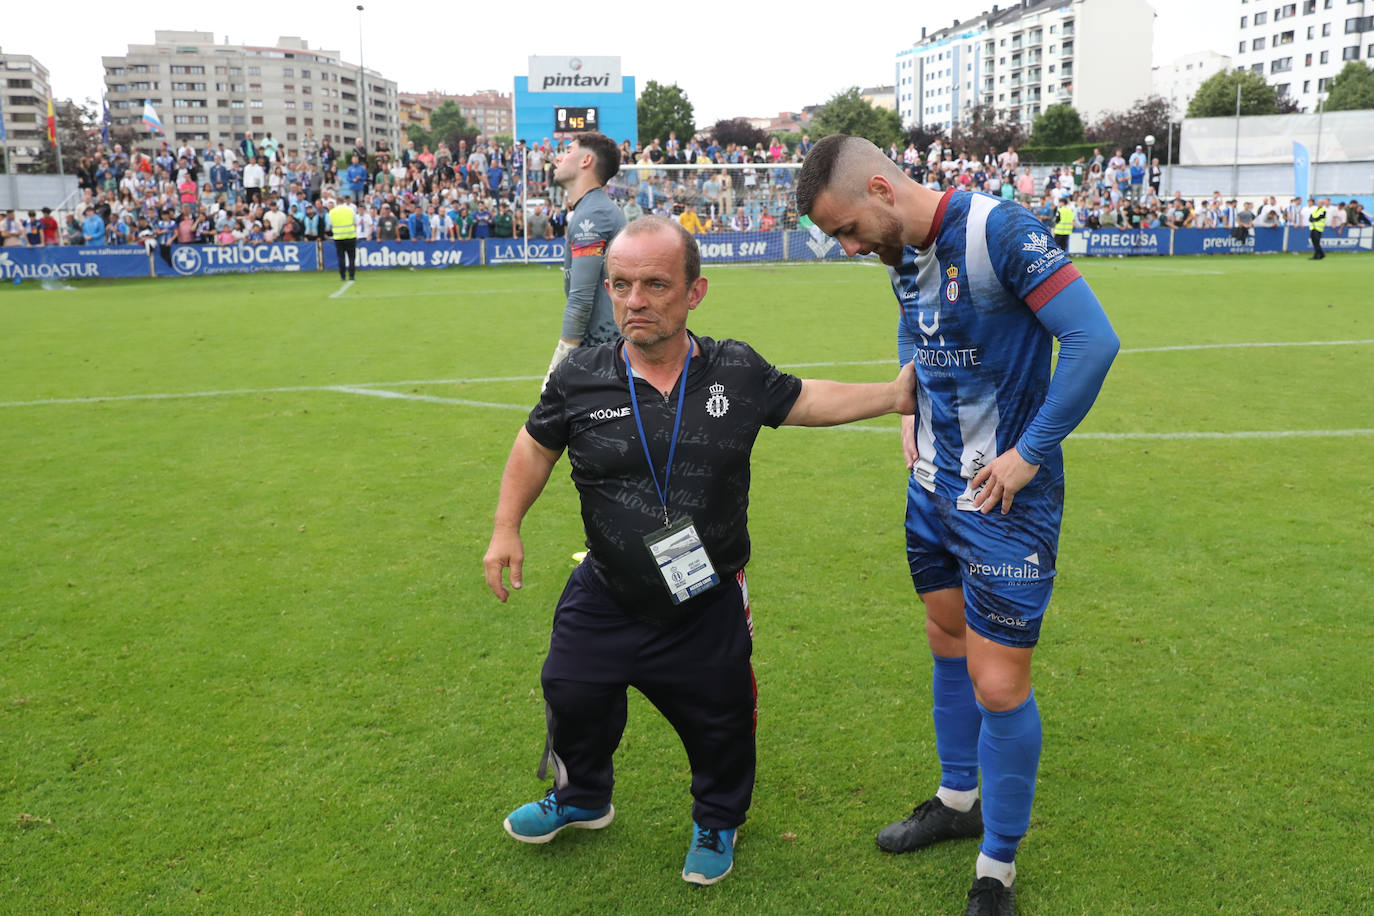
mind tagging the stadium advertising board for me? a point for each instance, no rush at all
(199, 260)
(73, 263)
(386, 255)
(812, 245)
(1346, 238)
(574, 73)
(1108, 242)
(1221, 241)
(740, 246)
(512, 251)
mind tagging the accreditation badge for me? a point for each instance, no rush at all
(682, 560)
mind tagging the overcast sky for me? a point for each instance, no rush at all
(776, 57)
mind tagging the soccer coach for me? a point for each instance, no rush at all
(658, 429)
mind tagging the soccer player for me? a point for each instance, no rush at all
(982, 290)
(660, 602)
(591, 160)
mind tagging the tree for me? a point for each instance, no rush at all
(447, 125)
(986, 130)
(848, 113)
(1216, 97)
(75, 126)
(922, 137)
(663, 110)
(1147, 117)
(1352, 89)
(739, 132)
(419, 136)
(1057, 125)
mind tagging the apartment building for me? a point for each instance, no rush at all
(1180, 80)
(1092, 54)
(1299, 47)
(207, 93)
(488, 110)
(25, 90)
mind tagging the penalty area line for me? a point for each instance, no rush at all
(341, 290)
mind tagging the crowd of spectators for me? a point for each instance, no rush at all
(259, 191)
(1116, 192)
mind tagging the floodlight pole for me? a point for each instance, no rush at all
(1235, 154)
(1312, 185)
(362, 88)
(1169, 156)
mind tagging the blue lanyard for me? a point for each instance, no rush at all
(677, 423)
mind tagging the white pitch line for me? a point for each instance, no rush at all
(403, 396)
(342, 289)
(527, 378)
(159, 397)
(1181, 272)
(1241, 346)
(442, 292)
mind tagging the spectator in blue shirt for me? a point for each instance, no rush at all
(482, 229)
(357, 180)
(93, 228)
(418, 225)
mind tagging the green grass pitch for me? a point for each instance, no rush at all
(248, 663)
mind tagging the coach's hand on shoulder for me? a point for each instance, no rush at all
(505, 549)
(1001, 480)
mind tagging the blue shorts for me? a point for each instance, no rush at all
(1005, 564)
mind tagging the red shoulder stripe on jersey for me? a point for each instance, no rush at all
(589, 249)
(1051, 285)
(935, 223)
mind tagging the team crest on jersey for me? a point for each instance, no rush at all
(717, 404)
(1038, 243)
(952, 287)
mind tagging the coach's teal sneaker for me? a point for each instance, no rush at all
(540, 821)
(711, 856)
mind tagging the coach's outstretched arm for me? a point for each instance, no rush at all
(527, 471)
(825, 403)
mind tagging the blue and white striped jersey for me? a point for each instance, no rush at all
(968, 297)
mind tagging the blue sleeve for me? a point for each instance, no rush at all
(906, 340)
(906, 334)
(1022, 252)
(1087, 346)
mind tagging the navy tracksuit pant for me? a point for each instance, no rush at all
(697, 673)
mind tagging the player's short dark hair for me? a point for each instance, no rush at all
(606, 151)
(649, 224)
(818, 171)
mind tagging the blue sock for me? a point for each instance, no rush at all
(1009, 754)
(956, 724)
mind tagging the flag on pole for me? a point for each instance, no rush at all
(150, 118)
(52, 124)
(104, 121)
(1300, 166)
